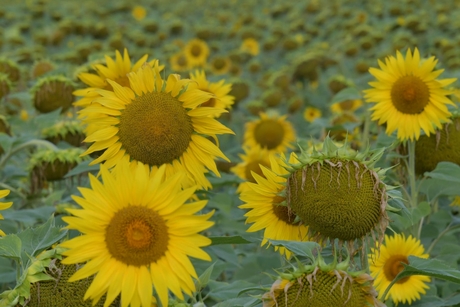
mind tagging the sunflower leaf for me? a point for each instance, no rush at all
(298, 248)
(10, 246)
(203, 280)
(428, 267)
(228, 240)
(349, 93)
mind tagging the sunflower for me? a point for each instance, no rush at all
(115, 70)
(3, 206)
(136, 233)
(388, 262)
(156, 122)
(322, 285)
(262, 200)
(408, 96)
(139, 12)
(221, 99)
(179, 62)
(311, 114)
(196, 51)
(220, 65)
(252, 160)
(251, 46)
(272, 132)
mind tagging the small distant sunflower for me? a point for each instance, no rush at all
(261, 197)
(115, 70)
(196, 51)
(455, 202)
(156, 122)
(408, 96)
(220, 65)
(272, 132)
(350, 105)
(322, 285)
(311, 114)
(221, 99)
(386, 263)
(137, 232)
(3, 206)
(179, 62)
(139, 12)
(251, 46)
(253, 158)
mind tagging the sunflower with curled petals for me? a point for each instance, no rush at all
(156, 122)
(138, 232)
(220, 90)
(265, 210)
(408, 96)
(252, 160)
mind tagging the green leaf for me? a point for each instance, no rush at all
(348, 93)
(35, 240)
(298, 248)
(82, 167)
(6, 142)
(429, 267)
(29, 216)
(445, 171)
(10, 246)
(229, 240)
(237, 302)
(204, 278)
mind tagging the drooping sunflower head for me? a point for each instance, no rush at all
(220, 91)
(322, 285)
(264, 200)
(197, 52)
(338, 193)
(272, 132)
(52, 93)
(41, 67)
(114, 69)
(5, 85)
(408, 96)
(386, 263)
(441, 146)
(137, 225)
(3, 206)
(45, 283)
(156, 122)
(11, 69)
(70, 131)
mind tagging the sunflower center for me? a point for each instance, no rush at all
(269, 133)
(410, 95)
(195, 50)
(284, 214)
(155, 129)
(137, 236)
(253, 166)
(338, 199)
(346, 105)
(219, 64)
(393, 266)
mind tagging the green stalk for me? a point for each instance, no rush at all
(411, 172)
(20, 147)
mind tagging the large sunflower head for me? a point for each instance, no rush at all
(322, 285)
(196, 51)
(386, 263)
(220, 90)
(156, 122)
(408, 96)
(115, 70)
(51, 93)
(263, 200)
(3, 206)
(337, 193)
(138, 231)
(272, 132)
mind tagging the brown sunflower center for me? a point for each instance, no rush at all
(195, 50)
(253, 166)
(219, 63)
(284, 213)
(346, 105)
(269, 133)
(338, 199)
(155, 129)
(137, 236)
(410, 95)
(393, 266)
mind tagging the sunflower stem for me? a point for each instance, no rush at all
(20, 147)
(367, 124)
(411, 173)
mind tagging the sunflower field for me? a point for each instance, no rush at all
(231, 153)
